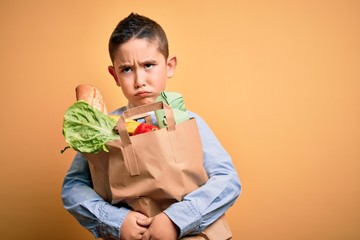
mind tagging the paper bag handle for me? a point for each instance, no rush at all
(121, 126)
(125, 138)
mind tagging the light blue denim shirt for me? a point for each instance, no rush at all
(192, 215)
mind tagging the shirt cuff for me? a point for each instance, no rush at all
(110, 219)
(185, 216)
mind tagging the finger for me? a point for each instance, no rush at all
(144, 222)
(141, 229)
(146, 236)
(140, 215)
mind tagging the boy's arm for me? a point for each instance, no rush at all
(102, 219)
(206, 204)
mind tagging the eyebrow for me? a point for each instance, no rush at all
(150, 61)
(125, 65)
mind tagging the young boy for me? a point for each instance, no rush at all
(139, 53)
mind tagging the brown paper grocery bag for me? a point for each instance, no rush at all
(150, 171)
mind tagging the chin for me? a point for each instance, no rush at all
(144, 101)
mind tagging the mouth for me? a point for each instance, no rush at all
(142, 94)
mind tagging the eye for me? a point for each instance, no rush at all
(126, 70)
(148, 65)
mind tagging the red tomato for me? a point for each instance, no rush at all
(144, 127)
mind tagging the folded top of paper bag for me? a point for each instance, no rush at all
(176, 102)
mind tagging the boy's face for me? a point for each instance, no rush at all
(141, 71)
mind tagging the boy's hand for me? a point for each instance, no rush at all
(160, 227)
(130, 230)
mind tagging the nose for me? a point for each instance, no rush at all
(139, 80)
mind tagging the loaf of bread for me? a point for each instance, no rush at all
(92, 96)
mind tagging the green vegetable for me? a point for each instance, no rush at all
(87, 129)
(176, 102)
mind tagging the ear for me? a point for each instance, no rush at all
(171, 66)
(112, 71)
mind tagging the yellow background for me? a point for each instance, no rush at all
(277, 81)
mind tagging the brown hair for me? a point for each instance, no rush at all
(139, 27)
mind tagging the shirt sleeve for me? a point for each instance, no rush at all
(206, 204)
(102, 219)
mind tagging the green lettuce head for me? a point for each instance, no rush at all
(87, 129)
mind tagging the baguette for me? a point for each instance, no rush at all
(92, 96)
